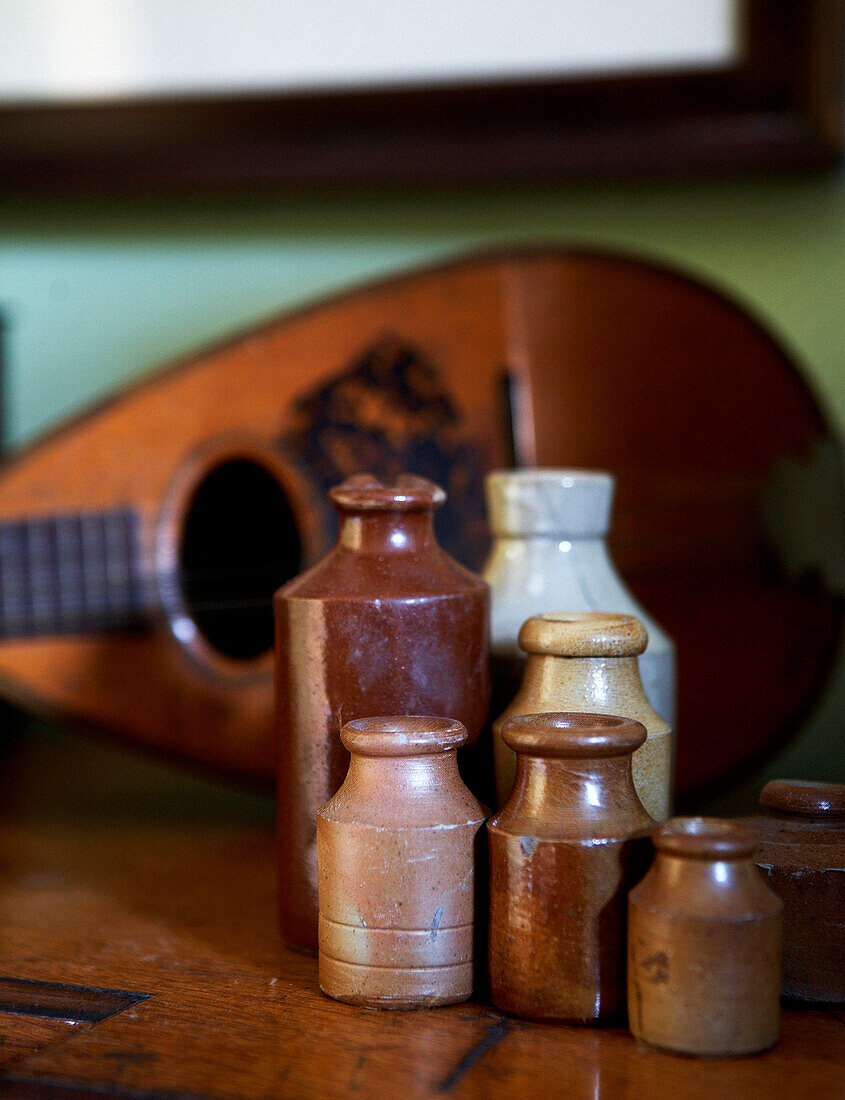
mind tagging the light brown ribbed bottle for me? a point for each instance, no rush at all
(396, 853)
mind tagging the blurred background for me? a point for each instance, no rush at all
(115, 258)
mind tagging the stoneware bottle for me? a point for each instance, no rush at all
(587, 661)
(396, 848)
(802, 855)
(550, 551)
(704, 943)
(564, 851)
(386, 623)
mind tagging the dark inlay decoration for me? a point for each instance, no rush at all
(388, 413)
(58, 1001)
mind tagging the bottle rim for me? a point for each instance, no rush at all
(710, 838)
(403, 735)
(571, 734)
(583, 634)
(366, 493)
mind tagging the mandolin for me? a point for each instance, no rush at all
(141, 543)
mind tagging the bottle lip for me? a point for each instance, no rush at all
(549, 502)
(572, 734)
(403, 735)
(583, 634)
(567, 476)
(366, 493)
(711, 838)
(804, 796)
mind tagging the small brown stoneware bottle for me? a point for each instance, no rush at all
(386, 623)
(802, 855)
(704, 944)
(587, 661)
(396, 848)
(568, 845)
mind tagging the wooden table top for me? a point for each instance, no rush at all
(145, 901)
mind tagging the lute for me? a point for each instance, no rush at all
(140, 544)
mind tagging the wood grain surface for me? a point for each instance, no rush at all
(119, 875)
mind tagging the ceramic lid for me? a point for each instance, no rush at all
(804, 796)
(562, 503)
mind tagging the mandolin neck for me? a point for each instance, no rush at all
(72, 573)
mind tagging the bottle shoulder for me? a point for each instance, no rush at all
(531, 576)
(352, 575)
(703, 891)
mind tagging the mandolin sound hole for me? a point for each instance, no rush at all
(240, 543)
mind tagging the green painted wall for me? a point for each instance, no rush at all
(94, 293)
(97, 292)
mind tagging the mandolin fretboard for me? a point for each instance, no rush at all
(72, 573)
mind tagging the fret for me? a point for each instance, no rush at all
(117, 561)
(71, 573)
(93, 563)
(71, 596)
(14, 612)
(39, 566)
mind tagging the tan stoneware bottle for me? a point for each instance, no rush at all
(587, 661)
(396, 848)
(802, 856)
(704, 944)
(565, 849)
(386, 623)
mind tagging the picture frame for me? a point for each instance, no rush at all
(778, 107)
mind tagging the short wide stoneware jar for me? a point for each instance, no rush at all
(802, 855)
(396, 851)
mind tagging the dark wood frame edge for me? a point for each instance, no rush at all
(780, 108)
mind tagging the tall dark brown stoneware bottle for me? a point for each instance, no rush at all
(386, 623)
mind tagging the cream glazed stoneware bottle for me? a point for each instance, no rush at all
(550, 554)
(589, 660)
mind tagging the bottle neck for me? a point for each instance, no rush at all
(430, 771)
(388, 532)
(409, 791)
(560, 546)
(815, 821)
(601, 681)
(577, 794)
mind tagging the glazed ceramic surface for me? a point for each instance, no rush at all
(802, 854)
(550, 552)
(568, 845)
(587, 661)
(704, 943)
(396, 849)
(387, 623)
